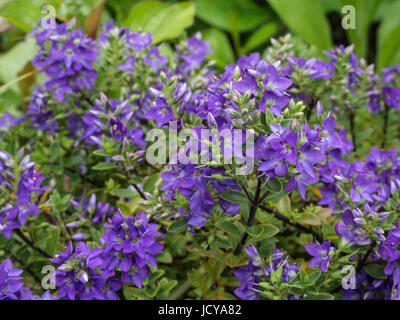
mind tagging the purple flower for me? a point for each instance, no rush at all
(274, 83)
(131, 246)
(154, 59)
(26, 187)
(79, 276)
(321, 254)
(322, 70)
(10, 283)
(392, 97)
(66, 57)
(160, 112)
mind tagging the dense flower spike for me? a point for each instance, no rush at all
(21, 189)
(66, 57)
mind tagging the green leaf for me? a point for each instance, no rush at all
(220, 45)
(229, 228)
(23, 14)
(306, 18)
(50, 240)
(389, 48)
(164, 257)
(308, 218)
(260, 36)
(321, 296)
(220, 13)
(234, 196)
(164, 288)
(15, 59)
(276, 196)
(274, 185)
(283, 205)
(315, 276)
(125, 193)
(261, 232)
(376, 271)
(104, 166)
(149, 184)
(165, 21)
(178, 226)
(125, 209)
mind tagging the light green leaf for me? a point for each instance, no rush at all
(306, 18)
(388, 36)
(149, 184)
(125, 193)
(283, 205)
(260, 36)
(15, 59)
(23, 14)
(220, 45)
(309, 219)
(163, 20)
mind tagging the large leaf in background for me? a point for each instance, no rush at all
(15, 59)
(163, 20)
(219, 43)
(260, 36)
(219, 13)
(92, 22)
(23, 14)
(307, 19)
(389, 35)
(389, 48)
(365, 11)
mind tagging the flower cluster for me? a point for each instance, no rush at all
(279, 268)
(66, 56)
(128, 248)
(21, 188)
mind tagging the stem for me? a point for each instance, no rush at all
(309, 109)
(362, 261)
(120, 294)
(385, 125)
(352, 130)
(250, 222)
(285, 219)
(127, 175)
(253, 210)
(31, 244)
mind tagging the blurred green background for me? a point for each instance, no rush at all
(233, 28)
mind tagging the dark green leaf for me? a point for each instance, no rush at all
(274, 185)
(234, 196)
(178, 226)
(104, 166)
(376, 271)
